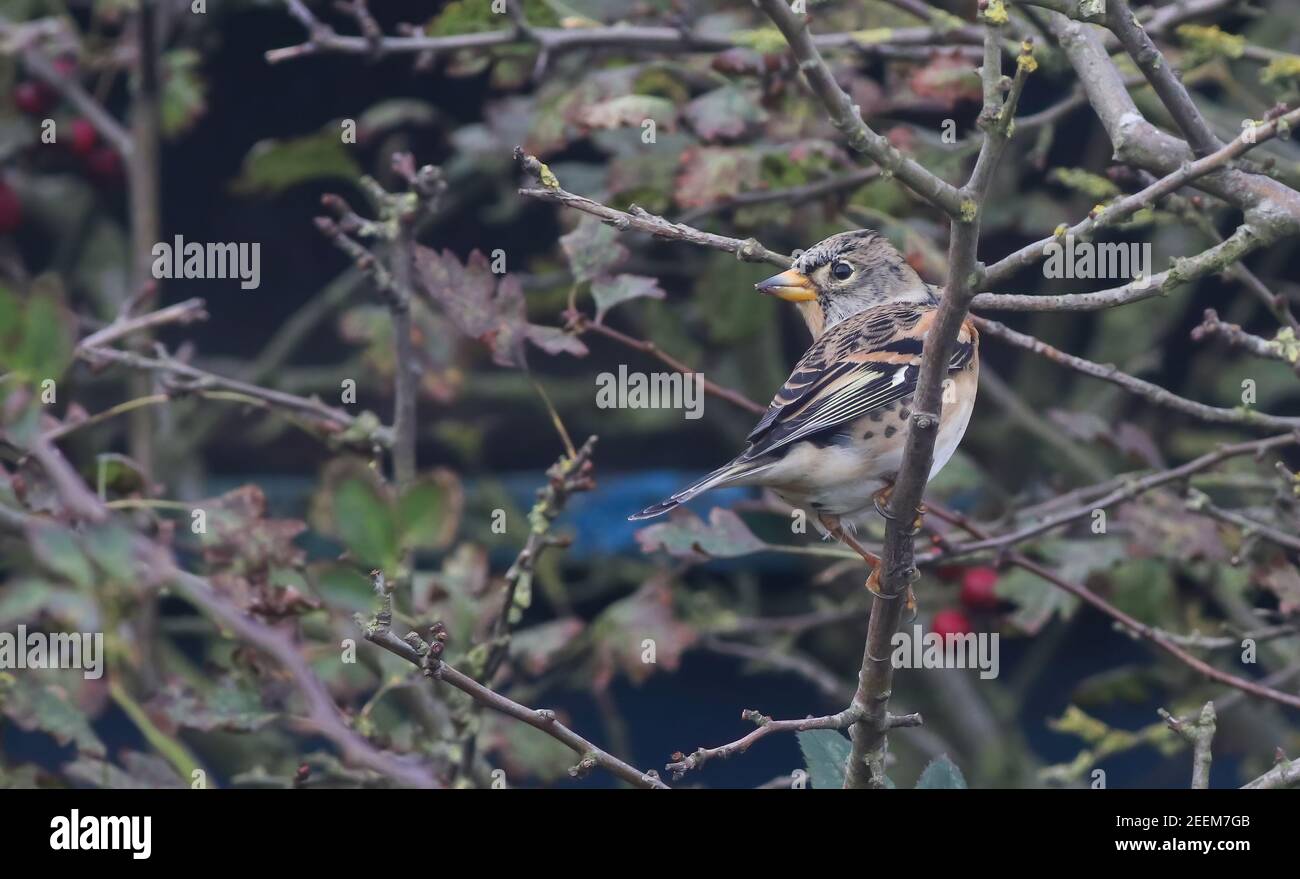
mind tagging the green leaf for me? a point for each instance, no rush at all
(1036, 600)
(35, 704)
(228, 706)
(941, 774)
(609, 292)
(429, 510)
(110, 547)
(688, 536)
(364, 522)
(57, 549)
(37, 344)
(138, 772)
(344, 587)
(273, 166)
(471, 16)
(184, 92)
(1143, 588)
(395, 113)
(825, 755)
(593, 249)
(25, 599)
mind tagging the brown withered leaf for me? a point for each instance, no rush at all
(249, 556)
(638, 634)
(1283, 580)
(534, 649)
(709, 174)
(947, 79)
(487, 307)
(1160, 525)
(629, 111)
(725, 114)
(240, 538)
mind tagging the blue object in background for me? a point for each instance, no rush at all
(598, 519)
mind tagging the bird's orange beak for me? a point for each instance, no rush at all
(790, 285)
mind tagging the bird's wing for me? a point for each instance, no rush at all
(864, 363)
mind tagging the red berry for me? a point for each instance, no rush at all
(84, 136)
(11, 209)
(65, 66)
(979, 588)
(34, 97)
(104, 164)
(947, 623)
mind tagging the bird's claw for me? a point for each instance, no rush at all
(880, 500)
(873, 586)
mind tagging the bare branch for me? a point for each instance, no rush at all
(1285, 774)
(1128, 487)
(198, 380)
(551, 42)
(1125, 207)
(428, 658)
(68, 88)
(683, 763)
(1144, 389)
(1239, 338)
(637, 220)
(186, 312)
(323, 715)
(1201, 503)
(1129, 623)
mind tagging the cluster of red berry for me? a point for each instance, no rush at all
(101, 162)
(978, 594)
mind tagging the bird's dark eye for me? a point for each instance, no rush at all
(842, 270)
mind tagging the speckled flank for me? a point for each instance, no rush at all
(841, 478)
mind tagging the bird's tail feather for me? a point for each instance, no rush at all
(721, 476)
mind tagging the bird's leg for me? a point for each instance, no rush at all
(832, 525)
(881, 501)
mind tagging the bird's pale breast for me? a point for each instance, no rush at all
(840, 474)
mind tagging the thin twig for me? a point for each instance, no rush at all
(1138, 628)
(1144, 389)
(428, 658)
(1200, 733)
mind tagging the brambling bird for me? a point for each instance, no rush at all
(832, 439)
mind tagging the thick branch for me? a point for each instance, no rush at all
(897, 564)
(1162, 76)
(1200, 734)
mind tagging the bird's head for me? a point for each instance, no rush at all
(843, 275)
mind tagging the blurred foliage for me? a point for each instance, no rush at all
(626, 614)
